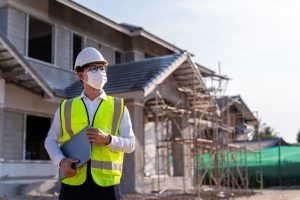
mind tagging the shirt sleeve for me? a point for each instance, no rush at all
(52, 140)
(126, 141)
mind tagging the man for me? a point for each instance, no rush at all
(110, 134)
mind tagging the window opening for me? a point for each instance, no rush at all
(40, 40)
(118, 59)
(77, 46)
(36, 131)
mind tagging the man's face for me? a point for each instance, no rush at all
(92, 68)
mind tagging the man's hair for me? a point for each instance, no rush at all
(83, 67)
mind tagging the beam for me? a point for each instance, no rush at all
(13, 73)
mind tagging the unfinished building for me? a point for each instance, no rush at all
(175, 116)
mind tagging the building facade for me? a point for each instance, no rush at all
(39, 40)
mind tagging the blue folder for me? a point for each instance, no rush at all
(79, 148)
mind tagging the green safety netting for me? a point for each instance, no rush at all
(283, 161)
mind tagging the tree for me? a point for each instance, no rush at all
(266, 131)
(298, 137)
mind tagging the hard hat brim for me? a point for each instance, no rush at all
(104, 63)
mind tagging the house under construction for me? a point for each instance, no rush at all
(172, 104)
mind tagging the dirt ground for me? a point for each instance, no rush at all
(274, 195)
(48, 192)
(252, 195)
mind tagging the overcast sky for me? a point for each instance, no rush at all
(256, 41)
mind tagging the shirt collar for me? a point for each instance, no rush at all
(101, 96)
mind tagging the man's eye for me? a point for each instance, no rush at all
(94, 69)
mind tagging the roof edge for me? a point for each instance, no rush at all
(196, 70)
(90, 13)
(156, 39)
(159, 79)
(20, 58)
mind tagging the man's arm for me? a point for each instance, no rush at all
(53, 149)
(52, 140)
(126, 141)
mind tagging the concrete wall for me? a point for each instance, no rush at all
(16, 28)
(12, 135)
(63, 48)
(2, 97)
(1, 131)
(2, 92)
(150, 149)
(18, 99)
(29, 169)
(145, 45)
(134, 56)
(11, 128)
(13, 23)
(17, 103)
(110, 39)
(3, 20)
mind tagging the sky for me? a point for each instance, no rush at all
(256, 42)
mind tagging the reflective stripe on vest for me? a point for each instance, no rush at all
(106, 166)
(117, 112)
(67, 114)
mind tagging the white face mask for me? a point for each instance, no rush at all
(97, 79)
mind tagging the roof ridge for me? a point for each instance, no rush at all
(165, 69)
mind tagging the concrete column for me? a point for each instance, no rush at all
(188, 161)
(1, 131)
(177, 149)
(180, 150)
(2, 91)
(2, 101)
(133, 170)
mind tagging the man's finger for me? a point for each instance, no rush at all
(92, 130)
(69, 172)
(91, 136)
(74, 160)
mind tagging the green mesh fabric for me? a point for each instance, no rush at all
(276, 162)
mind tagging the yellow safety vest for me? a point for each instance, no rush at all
(106, 165)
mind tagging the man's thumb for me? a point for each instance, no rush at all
(74, 160)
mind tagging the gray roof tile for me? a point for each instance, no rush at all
(139, 74)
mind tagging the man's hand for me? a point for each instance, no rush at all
(66, 165)
(97, 136)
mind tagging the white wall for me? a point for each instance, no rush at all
(27, 169)
(17, 98)
(150, 149)
(2, 91)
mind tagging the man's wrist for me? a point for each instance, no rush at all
(58, 159)
(109, 140)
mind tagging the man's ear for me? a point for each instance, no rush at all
(80, 75)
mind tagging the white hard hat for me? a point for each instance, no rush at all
(87, 56)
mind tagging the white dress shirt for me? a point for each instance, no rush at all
(125, 142)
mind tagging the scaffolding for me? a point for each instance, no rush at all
(206, 132)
